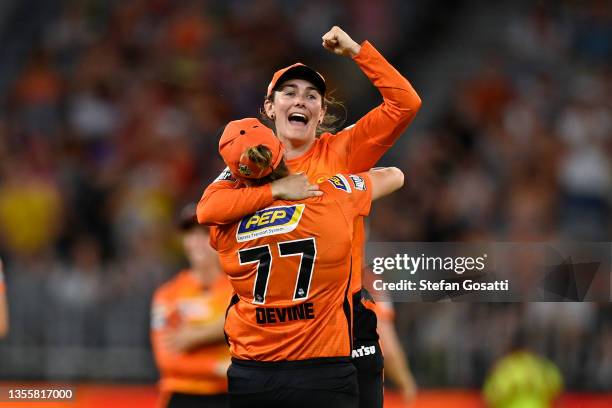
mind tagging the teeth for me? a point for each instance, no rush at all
(298, 116)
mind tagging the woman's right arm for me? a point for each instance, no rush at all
(226, 200)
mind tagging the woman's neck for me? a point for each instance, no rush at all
(296, 148)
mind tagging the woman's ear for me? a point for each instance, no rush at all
(322, 113)
(269, 108)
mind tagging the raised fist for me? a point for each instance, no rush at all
(340, 43)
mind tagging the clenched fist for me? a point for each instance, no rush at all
(340, 43)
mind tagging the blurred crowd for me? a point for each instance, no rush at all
(111, 126)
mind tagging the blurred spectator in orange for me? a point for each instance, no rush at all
(188, 315)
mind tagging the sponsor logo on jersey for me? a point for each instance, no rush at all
(358, 182)
(340, 183)
(364, 351)
(272, 315)
(321, 178)
(269, 221)
(225, 175)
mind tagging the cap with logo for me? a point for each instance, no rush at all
(240, 135)
(297, 71)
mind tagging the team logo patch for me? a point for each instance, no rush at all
(358, 182)
(244, 170)
(321, 178)
(340, 183)
(225, 175)
(269, 221)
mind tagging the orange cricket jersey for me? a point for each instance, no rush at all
(290, 266)
(352, 150)
(184, 299)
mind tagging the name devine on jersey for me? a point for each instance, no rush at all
(271, 315)
(269, 221)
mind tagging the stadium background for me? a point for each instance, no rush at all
(109, 113)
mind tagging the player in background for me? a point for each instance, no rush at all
(289, 324)
(296, 107)
(188, 313)
(4, 323)
(397, 368)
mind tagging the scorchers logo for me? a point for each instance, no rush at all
(269, 221)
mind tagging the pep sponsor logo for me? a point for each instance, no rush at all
(269, 221)
(340, 183)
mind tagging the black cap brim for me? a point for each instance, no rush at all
(303, 72)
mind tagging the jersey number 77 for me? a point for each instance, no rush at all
(305, 248)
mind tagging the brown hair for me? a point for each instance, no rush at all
(331, 121)
(262, 157)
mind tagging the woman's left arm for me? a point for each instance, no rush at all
(368, 139)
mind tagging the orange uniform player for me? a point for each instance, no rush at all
(289, 324)
(352, 150)
(187, 327)
(291, 269)
(185, 300)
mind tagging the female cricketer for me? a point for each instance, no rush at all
(289, 323)
(296, 105)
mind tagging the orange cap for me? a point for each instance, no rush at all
(297, 71)
(240, 135)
